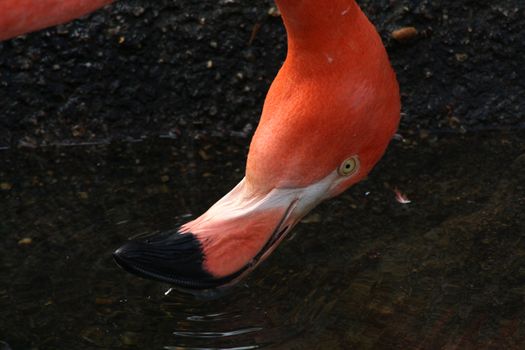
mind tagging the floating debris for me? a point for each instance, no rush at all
(274, 12)
(78, 131)
(401, 197)
(5, 186)
(83, 195)
(404, 34)
(104, 301)
(204, 155)
(256, 27)
(461, 57)
(138, 11)
(25, 241)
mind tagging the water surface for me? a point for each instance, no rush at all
(362, 271)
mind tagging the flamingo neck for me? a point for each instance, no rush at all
(313, 25)
(335, 96)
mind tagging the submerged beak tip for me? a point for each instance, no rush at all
(119, 252)
(123, 258)
(169, 257)
(128, 250)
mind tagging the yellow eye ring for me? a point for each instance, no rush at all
(349, 166)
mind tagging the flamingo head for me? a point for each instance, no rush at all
(327, 119)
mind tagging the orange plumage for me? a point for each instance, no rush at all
(334, 103)
(22, 16)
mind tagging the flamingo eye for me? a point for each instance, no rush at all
(349, 166)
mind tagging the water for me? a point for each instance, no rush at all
(362, 271)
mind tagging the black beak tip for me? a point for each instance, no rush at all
(125, 260)
(119, 255)
(127, 251)
(169, 257)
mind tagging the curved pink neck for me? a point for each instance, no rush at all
(23, 16)
(335, 96)
(317, 24)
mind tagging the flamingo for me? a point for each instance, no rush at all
(328, 118)
(23, 16)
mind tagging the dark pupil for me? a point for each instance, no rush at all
(347, 166)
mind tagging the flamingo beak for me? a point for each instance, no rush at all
(224, 244)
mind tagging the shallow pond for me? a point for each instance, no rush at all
(361, 271)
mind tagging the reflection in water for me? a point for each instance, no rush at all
(362, 271)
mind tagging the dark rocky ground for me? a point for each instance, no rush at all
(193, 68)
